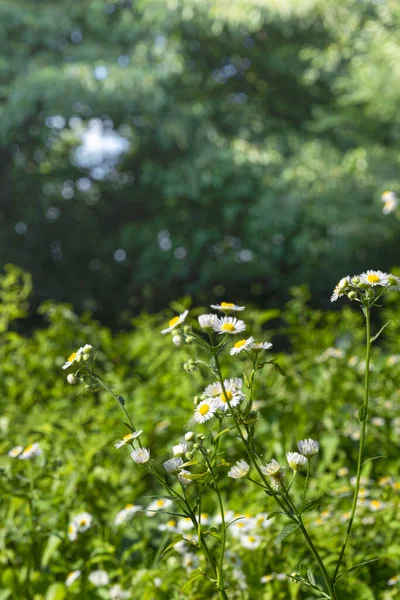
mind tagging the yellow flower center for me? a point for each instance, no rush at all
(240, 525)
(129, 506)
(240, 343)
(173, 321)
(252, 538)
(227, 396)
(72, 357)
(70, 529)
(82, 522)
(171, 523)
(373, 278)
(203, 410)
(127, 437)
(376, 503)
(228, 327)
(28, 448)
(227, 305)
(160, 502)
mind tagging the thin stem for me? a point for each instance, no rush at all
(362, 439)
(306, 482)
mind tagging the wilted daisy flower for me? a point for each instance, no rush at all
(295, 460)
(229, 325)
(242, 345)
(258, 346)
(30, 451)
(341, 288)
(213, 390)
(173, 465)
(99, 578)
(204, 411)
(128, 438)
(175, 322)
(390, 202)
(373, 278)
(117, 593)
(74, 357)
(180, 449)
(126, 513)
(239, 470)
(206, 321)
(308, 447)
(227, 307)
(14, 452)
(141, 455)
(73, 576)
(156, 505)
(183, 477)
(272, 468)
(251, 542)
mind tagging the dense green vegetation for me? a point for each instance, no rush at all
(81, 470)
(256, 138)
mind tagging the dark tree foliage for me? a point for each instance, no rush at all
(157, 148)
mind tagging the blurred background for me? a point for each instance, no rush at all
(223, 149)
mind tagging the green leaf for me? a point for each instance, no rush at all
(284, 533)
(271, 515)
(366, 562)
(311, 577)
(375, 337)
(52, 544)
(177, 538)
(195, 575)
(311, 505)
(373, 458)
(362, 413)
(57, 591)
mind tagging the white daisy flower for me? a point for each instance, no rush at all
(230, 325)
(83, 521)
(205, 411)
(232, 393)
(183, 477)
(126, 513)
(169, 526)
(185, 524)
(272, 468)
(206, 321)
(180, 449)
(308, 447)
(390, 202)
(258, 346)
(190, 561)
(296, 460)
(375, 505)
(261, 520)
(267, 578)
(394, 282)
(340, 288)
(71, 577)
(99, 578)
(141, 455)
(117, 593)
(251, 542)
(160, 504)
(394, 580)
(173, 465)
(72, 532)
(242, 524)
(242, 345)
(14, 452)
(30, 451)
(239, 470)
(227, 307)
(374, 278)
(128, 438)
(213, 390)
(74, 357)
(175, 322)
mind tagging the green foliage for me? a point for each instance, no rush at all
(261, 134)
(81, 470)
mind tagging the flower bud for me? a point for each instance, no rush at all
(190, 366)
(189, 339)
(201, 437)
(187, 329)
(352, 295)
(189, 435)
(177, 340)
(71, 379)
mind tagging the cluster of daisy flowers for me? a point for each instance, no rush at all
(79, 524)
(355, 287)
(99, 578)
(296, 460)
(26, 453)
(390, 202)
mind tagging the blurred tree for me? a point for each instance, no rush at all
(161, 147)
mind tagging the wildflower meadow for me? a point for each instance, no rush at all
(205, 452)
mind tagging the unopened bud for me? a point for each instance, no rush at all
(352, 295)
(177, 340)
(71, 379)
(187, 329)
(189, 435)
(189, 339)
(190, 366)
(201, 437)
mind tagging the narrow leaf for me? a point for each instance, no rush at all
(271, 515)
(366, 562)
(311, 577)
(373, 458)
(193, 578)
(375, 337)
(284, 533)
(362, 412)
(311, 505)
(177, 538)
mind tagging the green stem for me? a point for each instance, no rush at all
(306, 483)
(362, 440)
